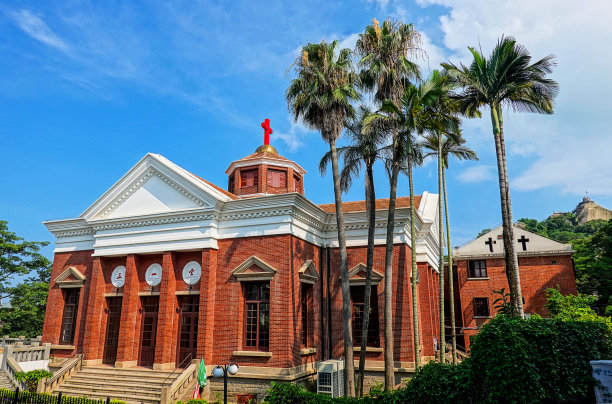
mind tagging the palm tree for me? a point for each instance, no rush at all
(445, 147)
(386, 71)
(364, 148)
(506, 78)
(416, 115)
(321, 96)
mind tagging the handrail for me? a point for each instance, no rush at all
(68, 368)
(13, 367)
(179, 386)
(186, 360)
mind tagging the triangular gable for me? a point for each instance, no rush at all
(357, 275)
(154, 185)
(70, 278)
(308, 272)
(254, 269)
(526, 243)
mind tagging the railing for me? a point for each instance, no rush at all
(461, 355)
(186, 380)
(22, 353)
(13, 367)
(68, 368)
(6, 340)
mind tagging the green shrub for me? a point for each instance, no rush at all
(32, 377)
(437, 383)
(515, 360)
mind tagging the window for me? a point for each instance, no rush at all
(71, 304)
(231, 183)
(358, 302)
(249, 178)
(306, 327)
(478, 269)
(481, 307)
(257, 315)
(296, 183)
(277, 178)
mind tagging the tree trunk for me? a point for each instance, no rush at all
(517, 276)
(441, 253)
(349, 365)
(415, 275)
(450, 272)
(371, 214)
(388, 348)
(506, 217)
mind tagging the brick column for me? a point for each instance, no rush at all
(93, 321)
(208, 287)
(127, 349)
(165, 344)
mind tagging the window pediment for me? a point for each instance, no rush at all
(308, 272)
(254, 269)
(70, 278)
(357, 275)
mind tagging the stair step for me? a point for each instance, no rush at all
(142, 371)
(110, 388)
(94, 377)
(133, 397)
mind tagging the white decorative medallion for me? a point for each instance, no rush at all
(118, 276)
(153, 275)
(192, 272)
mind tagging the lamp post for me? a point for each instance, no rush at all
(218, 371)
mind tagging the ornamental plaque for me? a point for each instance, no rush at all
(192, 272)
(153, 275)
(118, 277)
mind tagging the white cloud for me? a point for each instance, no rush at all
(567, 151)
(35, 27)
(294, 137)
(477, 173)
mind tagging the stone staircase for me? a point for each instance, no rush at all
(5, 382)
(132, 385)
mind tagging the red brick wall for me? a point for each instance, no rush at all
(537, 275)
(262, 184)
(221, 324)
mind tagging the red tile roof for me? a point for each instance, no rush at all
(223, 191)
(264, 154)
(381, 204)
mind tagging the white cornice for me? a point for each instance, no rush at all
(270, 161)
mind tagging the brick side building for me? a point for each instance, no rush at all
(166, 268)
(480, 269)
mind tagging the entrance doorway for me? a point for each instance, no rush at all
(113, 319)
(150, 308)
(188, 330)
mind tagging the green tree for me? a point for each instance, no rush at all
(364, 148)
(437, 145)
(386, 72)
(18, 258)
(506, 78)
(321, 96)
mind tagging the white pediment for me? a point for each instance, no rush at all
(154, 185)
(154, 196)
(525, 242)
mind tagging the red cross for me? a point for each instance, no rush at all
(191, 272)
(267, 130)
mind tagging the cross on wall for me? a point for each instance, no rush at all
(523, 241)
(490, 243)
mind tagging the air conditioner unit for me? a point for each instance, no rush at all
(330, 377)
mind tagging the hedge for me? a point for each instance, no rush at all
(26, 397)
(511, 360)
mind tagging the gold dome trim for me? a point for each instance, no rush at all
(266, 148)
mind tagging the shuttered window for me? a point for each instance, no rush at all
(248, 178)
(296, 183)
(277, 178)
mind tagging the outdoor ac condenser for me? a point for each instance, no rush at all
(330, 377)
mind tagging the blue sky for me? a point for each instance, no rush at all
(86, 89)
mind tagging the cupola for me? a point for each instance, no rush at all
(265, 171)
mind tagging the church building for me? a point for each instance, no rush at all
(166, 268)
(481, 269)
